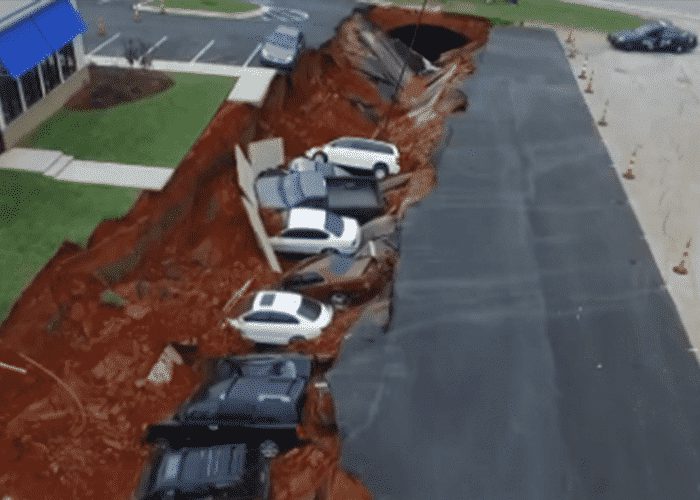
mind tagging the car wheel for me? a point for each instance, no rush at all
(269, 449)
(296, 339)
(679, 49)
(627, 47)
(329, 251)
(340, 300)
(380, 171)
(321, 156)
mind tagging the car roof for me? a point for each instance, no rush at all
(277, 301)
(287, 30)
(306, 218)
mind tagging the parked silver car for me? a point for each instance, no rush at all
(310, 231)
(282, 47)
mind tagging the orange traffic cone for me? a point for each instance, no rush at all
(570, 38)
(603, 122)
(582, 75)
(589, 87)
(101, 27)
(680, 268)
(629, 174)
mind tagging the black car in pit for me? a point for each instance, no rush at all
(654, 36)
(253, 399)
(231, 471)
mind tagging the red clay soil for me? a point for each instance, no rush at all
(113, 86)
(72, 426)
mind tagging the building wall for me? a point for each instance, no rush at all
(48, 105)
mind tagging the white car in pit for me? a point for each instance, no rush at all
(311, 231)
(359, 155)
(279, 318)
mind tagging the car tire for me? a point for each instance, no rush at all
(329, 251)
(380, 171)
(679, 49)
(340, 300)
(321, 156)
(269, 449)
(296, 339)
(628, 47)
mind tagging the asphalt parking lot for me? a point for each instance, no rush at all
(534, 352)
(207, 40)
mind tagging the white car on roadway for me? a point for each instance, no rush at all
(282, 317)
(359, 155)
(310, 231)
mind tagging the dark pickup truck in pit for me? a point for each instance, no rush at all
(252, 398)
(356, 197)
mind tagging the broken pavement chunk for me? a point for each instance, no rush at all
(162, 370)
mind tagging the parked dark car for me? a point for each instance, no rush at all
(232, 471)
(656, 36)
(252, 398)
(343, 280)
(356, 197)
(282, 47)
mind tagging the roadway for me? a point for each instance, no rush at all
(534, 351)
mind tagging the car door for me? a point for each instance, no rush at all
(287, 241)
(282, 326)
(255, 322)
(653, 39)
(340, 152)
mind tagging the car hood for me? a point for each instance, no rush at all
(277, 52)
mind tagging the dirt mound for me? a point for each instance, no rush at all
(113, 86)
(73, 424)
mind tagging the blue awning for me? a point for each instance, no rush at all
(31, 40)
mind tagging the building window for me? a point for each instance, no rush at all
(66, 58)
(9, 96)
(49, 70)
(31, 86)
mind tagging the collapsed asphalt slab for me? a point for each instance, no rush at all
(534, 352)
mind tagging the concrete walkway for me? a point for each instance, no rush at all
(251, 87)
(154, 8)
(65, 168)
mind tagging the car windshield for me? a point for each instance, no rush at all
(281, 40)
(334, 224)
(309, 309)
(290, 190)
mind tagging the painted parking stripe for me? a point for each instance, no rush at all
(252, 55)
(104, 44)
(155, 46)
(201, 52)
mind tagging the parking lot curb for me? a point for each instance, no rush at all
(146, 7)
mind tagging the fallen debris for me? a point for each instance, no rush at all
(13, 368)
(162, 370)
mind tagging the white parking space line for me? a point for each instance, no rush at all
(252, 55)
(104, 44)
(155, 46)
(201, 52)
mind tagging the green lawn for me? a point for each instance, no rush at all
(228, 6)
(37, 214)
(546, 11)
(157, 130)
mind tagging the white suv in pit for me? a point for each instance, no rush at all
(359, 155)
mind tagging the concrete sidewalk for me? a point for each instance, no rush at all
(65, 168)
(251, 87)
